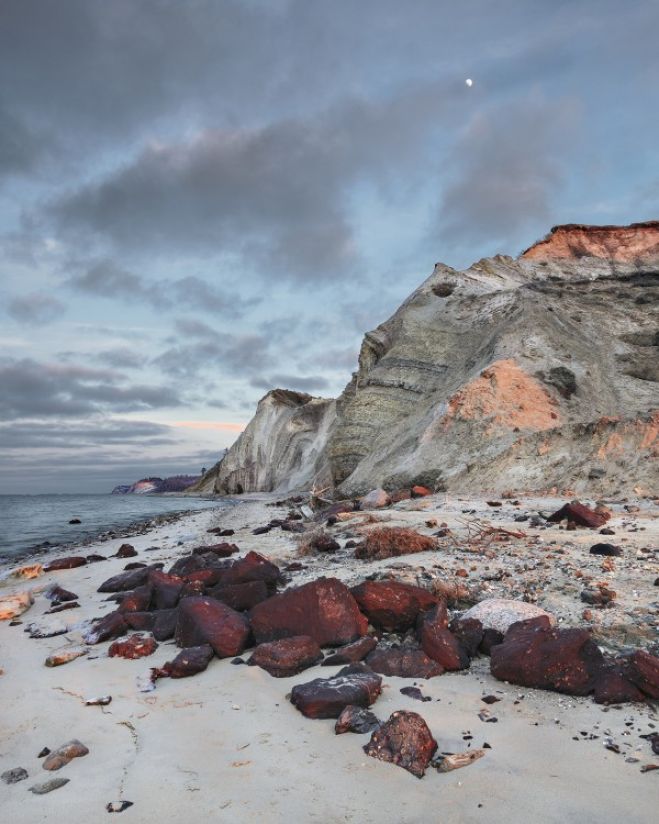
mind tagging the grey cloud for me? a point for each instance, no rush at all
(507, 168)
(121, 358)
(35, 308)
(19, 435)
(300, 383)
(20, 148)
(32, 389)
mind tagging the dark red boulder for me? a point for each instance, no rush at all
(166, 589)
(580, 515)
(127, 580)
(70, 562)
(203, 620)
(162, 622)
(328, 697)
(208, 577)
(491, 637)
(286, 657)
(642, 669)
(403, 663)
(139, 600)
(138, 645)
(438, 642)
(324, 543)
(141, 621)
(391, 605)
(533, 654)
(58, 595)
(469, 634)
(193, 563)
(110, 626)
(241, 597)
(356, 719)
(253, 567)
(613, 687)
(223, 550)
(189, 661)
(126, 551)
(323, 609)
(351, 653)
(404, 740)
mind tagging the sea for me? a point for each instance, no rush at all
(27, 521)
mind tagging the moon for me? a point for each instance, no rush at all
(469, 82)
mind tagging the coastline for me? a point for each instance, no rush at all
(227, 744)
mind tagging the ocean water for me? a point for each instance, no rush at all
(28, 520)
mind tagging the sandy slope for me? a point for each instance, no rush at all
(227, 746)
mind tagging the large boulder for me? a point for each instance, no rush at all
(166, 589)
(323, 609)
(403, 662)
(240, 597)
(203, 620)
(351, 653)
(580, 515)
(70, 562)
(642, 669)
(501, 613)
(438, 642)
(189, 661)
(404, 740)
(128, 580)
(533, 654)
(375, 499)
(328, 697)
(391, 605)
(110, 626)
(287, 657)
(253, 567)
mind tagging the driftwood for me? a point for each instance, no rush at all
(459, 759)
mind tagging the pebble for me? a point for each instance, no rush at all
(48, 786)
(14, 776)
(62, 755)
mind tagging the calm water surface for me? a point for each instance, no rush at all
(28, 520)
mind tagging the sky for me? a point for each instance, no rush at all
(202, 201)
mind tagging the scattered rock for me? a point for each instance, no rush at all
(75, 521)
(642, 669)
(118, 806)
(501, 613)
(351, 653)
(328, 697)
(189, 661)
(606, 549)
(391, 605)
(241, 597)
(57, 595)
(390, 542)
(222, 550)
(110, 626)
(138, 645)
(356, 719)
(324, 543)
(375, 499)
(287, 657)
(323, 609)
(203, 620)
(70, 562)
(139, 600)
(438, 642)
(580, 515)
(420, 491)
(491, 637)
(127, 580)
(253, 567)
(469, 633)
(13, 605)
(44, 752)
(48, 786)
(166, 589)
(65, 655)
(62, 755)
(404, 740)
(14, 776)
(101, 701)
(126, 551)
(403, 663)
(415, 692)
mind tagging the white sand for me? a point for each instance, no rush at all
(226, 745)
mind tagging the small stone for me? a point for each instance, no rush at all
(101, 701)
(44, 752)
(118, 806)
(606, 549)
(126, 551)
(414, 692)
(62, 755)
(356, 719)
(64, 655)
(14, 776)
(48, 786)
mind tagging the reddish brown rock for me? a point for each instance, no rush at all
(469, 633)
(324, 543)
(127, 580)
(139, 600)
(161, 623)
(286, 657)
(403, 663)
(391, 605)
(375, 499)
(323, 609)
(491, 637)
(126, 551)
(110, 626)
(253, 567)
(356, 719)
(203, 620)
(535, 655)
(642, 669)
(241, 597)
(138, 645)
(438, 642)
(580, 515)
(389, 542)
(400, 495)
(194, 563)
(613, 687)
(351, 653)
(70, 562)
(209, 577)
(420, 491)
(57, 595)
(62, 755)
(223, 550)
(166, 589)
(328, 697)
(573, 241)
(189, 661)
(404, 740)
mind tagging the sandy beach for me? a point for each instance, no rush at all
(227, 745)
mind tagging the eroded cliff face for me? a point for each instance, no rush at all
(528, 373)
(282, 447)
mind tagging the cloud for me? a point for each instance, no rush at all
(300, 383)
(506, 169)
(31, 434)
(33, 389)
(121, 358)
(35, 308)
(104, 278)
(20, 148)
